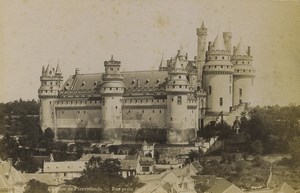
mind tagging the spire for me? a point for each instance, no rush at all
(162, 62)
(177, 64)
(218, 44)
(48, 70)
(240, 50)
(112, 58)
(58, 70)
(202, 25)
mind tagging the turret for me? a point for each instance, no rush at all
(201, 33)
(243, 76)
(218, 73)
(112, 90)
(51, 82)
(178, 89)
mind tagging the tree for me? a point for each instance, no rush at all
(195, 155)
(223, 130)
(256, 147)
(35, 186)
(105, 174)
(156, 155)
(47, 140)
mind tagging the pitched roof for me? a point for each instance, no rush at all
(146, 160)
(64, 166)
(129, 164)
(285, 188)
(89, 83)
(87, 157)
(9, 175)
(224, 186)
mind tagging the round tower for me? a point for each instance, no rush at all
(218, 72)
(243, 76)
(178, 89)
(201, 52)
(112, 90)
(51, 82)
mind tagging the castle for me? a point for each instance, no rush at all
(166, 105)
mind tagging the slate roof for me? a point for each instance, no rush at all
(134, 81)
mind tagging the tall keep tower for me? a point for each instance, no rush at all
(51, 82)
(243, 76)
(218, 78)
(178, 89)
(112, 90)
(201, 52)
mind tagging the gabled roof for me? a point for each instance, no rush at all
(10, 176)
(285, 188)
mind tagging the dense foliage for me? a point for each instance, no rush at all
(105, 174)
(243, 173)
(264, 130)
(34, 186)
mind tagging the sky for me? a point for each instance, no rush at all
(83, 34)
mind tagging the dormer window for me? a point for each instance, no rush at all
(95, 83)
(147, 81)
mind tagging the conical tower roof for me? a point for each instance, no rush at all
(218, 44)
(240, 50)
(163, 62)
(58, 70)
(48, 70)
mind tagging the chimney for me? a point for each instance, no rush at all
(249, 51)
(209, 45)
(76, 71)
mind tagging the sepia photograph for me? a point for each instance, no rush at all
(150, 96)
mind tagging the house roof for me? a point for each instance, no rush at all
(285, 188)
(129, 164)
(146, 160)
(224, 186)
(64, 166)
(87, 157)
(10, 176)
